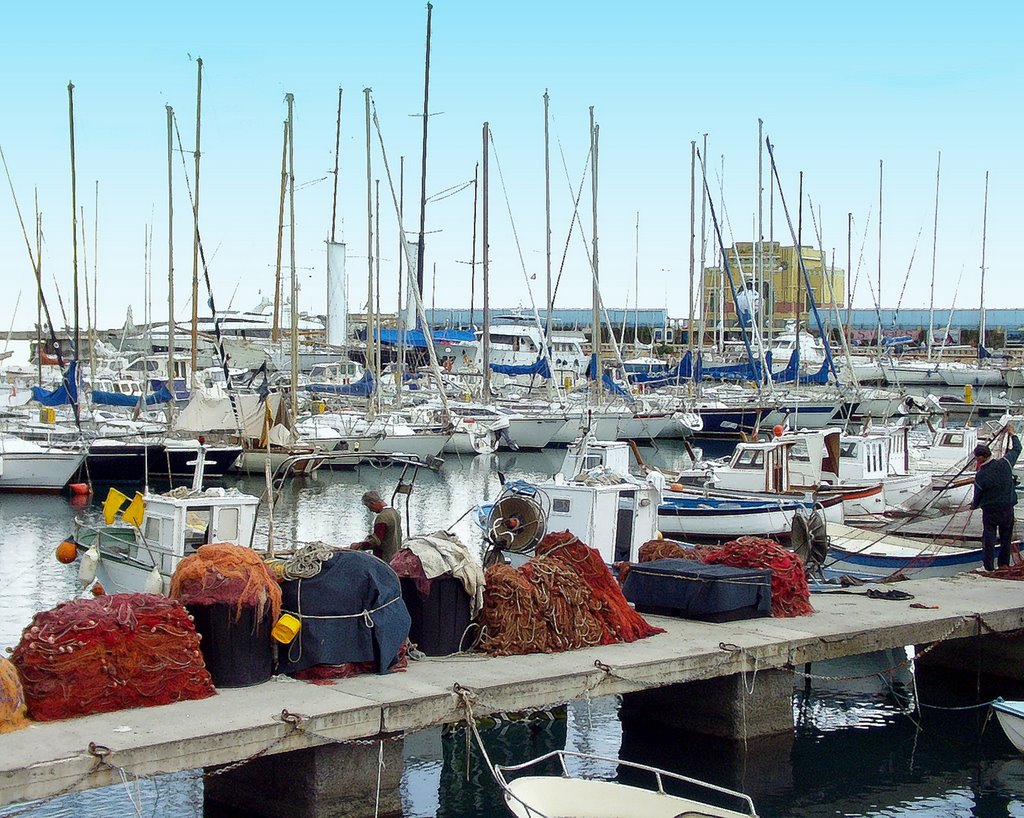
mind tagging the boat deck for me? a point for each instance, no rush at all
(48, 758)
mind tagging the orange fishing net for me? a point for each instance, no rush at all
(791, 595)
(619, 622)
(562, 599)
(12, 699)
(670, 549)
(110, 653)
(228, 574)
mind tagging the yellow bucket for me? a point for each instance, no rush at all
(286, 629)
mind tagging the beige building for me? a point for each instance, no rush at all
(783, 295)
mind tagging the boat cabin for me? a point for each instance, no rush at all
(864, 457)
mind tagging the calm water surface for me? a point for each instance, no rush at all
(860, 748)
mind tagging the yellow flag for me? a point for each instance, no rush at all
(133, 514)
(112, 505)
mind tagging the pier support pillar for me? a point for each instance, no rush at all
(332, 781)
(991, 663)
(732, 707)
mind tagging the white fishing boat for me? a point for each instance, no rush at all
(572, 796)
(27, 466)
(869, 554)
(695, 516)
(594, 496)
(1011, 719)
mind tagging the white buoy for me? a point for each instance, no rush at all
(154, 582)
(87, 567)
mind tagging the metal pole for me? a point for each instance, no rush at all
(195, 218)
(485, 395)
(595, 318)
(294, 320)
(371, 354)
(337, 156)
(984, 231)
(74, 208)
(170, 260)
(935, 239)
(547, 219)
(275, 333)
(693, 217)
(423, 165)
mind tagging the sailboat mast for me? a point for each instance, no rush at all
(704, 308)
(472, 253)
(170, 259)
(337, 153)
(759, 259)
(984, 231)
(371, 354)
(849, 271)
(693, 217)
(485, 394)
(379, 364)
(935, 239)
(39, 293)
(195, 217)
(595, 319)
(294, 313)
(879, 294)
(547, 219)
(74, 208)
(275, 333)
(423, 162)
(636, 287)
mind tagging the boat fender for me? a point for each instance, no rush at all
(87, 566)
(154, 582)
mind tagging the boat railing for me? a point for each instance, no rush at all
(659, 775)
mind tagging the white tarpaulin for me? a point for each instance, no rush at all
(337, 303)
(211, 410)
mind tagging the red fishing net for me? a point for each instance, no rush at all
(110, 653)
(562, 599)
(227, 574)
(326, 674)
(12, 699)
(620, 623)
(791, 595)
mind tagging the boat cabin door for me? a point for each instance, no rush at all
(775, 472)
(625, 516)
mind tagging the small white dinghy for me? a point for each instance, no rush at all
(565, 796)
(1011, 719)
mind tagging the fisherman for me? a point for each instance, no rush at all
(995, 493)
(386, 537)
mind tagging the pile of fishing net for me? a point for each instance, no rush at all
(1009, 572)
(110, 653)
(562, 599)
(791, 595)
(227, 574)
(670, 549)
(12, 699)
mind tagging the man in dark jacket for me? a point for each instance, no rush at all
(995, 493)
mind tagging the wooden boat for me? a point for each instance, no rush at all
(1011, 719)
(720, 518)
(568, 796)
(869, 554)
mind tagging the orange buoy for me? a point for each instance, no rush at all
(779, 430)
(79, 488)
(676, 487)
(67, 552)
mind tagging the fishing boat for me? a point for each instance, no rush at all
(1011, 719)
(572, 796)
(699, 517)
(141, 540)
(594, 496)
(873, 555)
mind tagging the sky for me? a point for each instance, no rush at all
(839, 88)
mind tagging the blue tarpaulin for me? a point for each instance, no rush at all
(162, 395)
(415, 338)
(538, 367)
(606, 380)
(66, 393)
(682, 371)
(361, 388)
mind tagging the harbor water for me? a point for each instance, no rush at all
(868, 741)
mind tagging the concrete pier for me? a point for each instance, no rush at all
(282, 716)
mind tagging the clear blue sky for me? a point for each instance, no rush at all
(839, 88)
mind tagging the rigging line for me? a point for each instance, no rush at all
(725, 262)
(545, 351)
(906, 278)
(441, 195)
(860, 258)
(42, 297)
(312, 182)
(411, 270)
(575, 212)
(235, 408)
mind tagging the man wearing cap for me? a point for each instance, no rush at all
(386, 538)
(996, 494)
